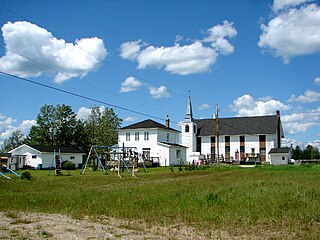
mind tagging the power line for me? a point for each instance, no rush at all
(83, 97)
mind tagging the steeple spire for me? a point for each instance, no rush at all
(189, 115)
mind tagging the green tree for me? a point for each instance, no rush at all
(101, 127)
(15, 140)
(55, 126)
(297, 153)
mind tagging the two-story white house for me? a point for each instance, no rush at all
(235, 138)
(153, 141)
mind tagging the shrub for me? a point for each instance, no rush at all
(68, 165)
(26, 175)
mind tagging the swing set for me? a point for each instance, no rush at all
(112, 158)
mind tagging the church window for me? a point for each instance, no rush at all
(187, 128)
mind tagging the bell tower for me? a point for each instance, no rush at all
(189, 131)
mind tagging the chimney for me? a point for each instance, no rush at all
(278, 113)
(167, 122)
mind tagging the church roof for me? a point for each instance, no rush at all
(238, 125)
(148, 124)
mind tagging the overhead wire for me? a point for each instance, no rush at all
(83, 97)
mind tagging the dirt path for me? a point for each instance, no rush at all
(56, 226)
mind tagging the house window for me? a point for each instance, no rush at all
(34, 156)
(262, 151)
(146, 153)
(146, 136)
(72, 157)
(136, 136)
(127, 136)
(187, 128)
(168, 137)
(198, 144)
(227, 149)
(178, 154)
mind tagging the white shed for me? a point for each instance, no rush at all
(280, 156)
(36, 156)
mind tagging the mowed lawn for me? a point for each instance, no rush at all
(229, 198)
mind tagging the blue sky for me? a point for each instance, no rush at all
(250, 57)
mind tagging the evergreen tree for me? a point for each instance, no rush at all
(15, 140)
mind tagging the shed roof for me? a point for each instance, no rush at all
(148, 124)
(280, 150)
(173, 144)
(56, 148)
(238, 125)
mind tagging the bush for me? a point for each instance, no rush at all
(26, 175)
(68, 165)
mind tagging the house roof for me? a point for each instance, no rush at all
(173, 144)
(280, 150)
(148, 124)
(238, 125)
(56, 148)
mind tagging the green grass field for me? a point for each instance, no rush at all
(230, 198)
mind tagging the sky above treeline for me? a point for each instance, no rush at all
(144, 58)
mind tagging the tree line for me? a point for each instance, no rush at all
(59, 126)
(309, 152)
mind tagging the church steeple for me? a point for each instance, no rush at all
(189, 115)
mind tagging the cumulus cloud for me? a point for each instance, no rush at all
(130, 119)
(83, 112)
(130, 50)
(36, 45)
(203, 106)
(301, 122)
(317, 80)
(246, 105)
(308, 97)
(130, 84)
(217, 35)
(161, 92)
(182, 59)
(293, 33)
(283, 4)
(9, 125)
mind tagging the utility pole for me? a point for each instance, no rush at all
(217, 131)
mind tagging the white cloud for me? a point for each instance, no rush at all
(130, 50)
(293, 33)
(317, 80)
(27, 124)
(40, 46)
(217, 36)
(130, 119)
(204, 106)
(246, 105)
(283, 4)
(182, 59)
(83, 113)
(130, 84)
(308, 97)
(161, 92)
(301, 122)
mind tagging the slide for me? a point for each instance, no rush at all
(13, 172)
(1, 174)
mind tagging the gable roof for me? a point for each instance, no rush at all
(148, 124)
(56, 148)
(238, 125)
(48, 149)
(280, 150)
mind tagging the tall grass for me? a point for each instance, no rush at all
(225, 197)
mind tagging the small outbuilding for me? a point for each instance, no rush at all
(280, 156)
(42, 156)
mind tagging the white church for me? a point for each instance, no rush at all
(236, 139)
(230, 139)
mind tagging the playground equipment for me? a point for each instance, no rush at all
(56, 164)
(114, 158)
(8, 170)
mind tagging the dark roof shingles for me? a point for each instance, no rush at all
(148, 124)
(238, 126)
(56, 148)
